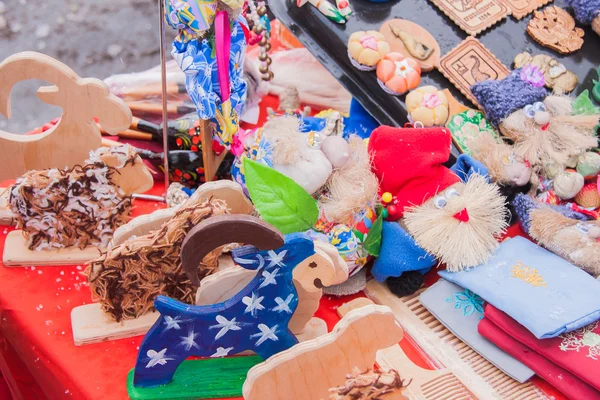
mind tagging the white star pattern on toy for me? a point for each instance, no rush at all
(269, 278)
(265, 334)
(276, 259)
(189, 341)
(241, 261)
(283, 305)
(253, 304)
(225, 326)
(172, 323)
(222, 352)
(157, 358)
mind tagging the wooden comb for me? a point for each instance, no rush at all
(439, 384)
(483, 378)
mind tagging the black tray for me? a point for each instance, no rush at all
(327, 41)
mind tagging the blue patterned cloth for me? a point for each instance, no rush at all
(543, 292)
(197, 59)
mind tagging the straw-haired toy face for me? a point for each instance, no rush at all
(459, 225)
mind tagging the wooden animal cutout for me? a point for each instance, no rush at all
(65, 216)
(308, 370)
(224, 284)
(91, 324)
(254, 319)
(68, 142)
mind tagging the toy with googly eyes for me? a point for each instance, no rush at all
(543, 128)
(574, 240)
(504, 166)
(433, 214)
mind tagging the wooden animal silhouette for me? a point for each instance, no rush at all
(68, 142)
(308, 370)
(225, 283)
(476, 72)
(254, 319)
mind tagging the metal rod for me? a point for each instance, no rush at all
(163, 71)
(148, 197)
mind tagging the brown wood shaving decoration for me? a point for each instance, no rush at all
(126, 279)
(72, 228)
(373, 384)
(554, 28)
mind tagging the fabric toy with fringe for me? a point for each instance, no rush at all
(442, 218)
(545, 131)
(571, 239)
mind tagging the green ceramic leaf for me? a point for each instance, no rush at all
(373, 242)
(279, 200)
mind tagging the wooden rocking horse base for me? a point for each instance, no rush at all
(211, 378)
(16, 254)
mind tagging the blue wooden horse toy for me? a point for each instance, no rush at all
(255, 319)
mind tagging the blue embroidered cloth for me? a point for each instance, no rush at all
(197, 59)
(460, 310)
(399, 253)
(541, 291)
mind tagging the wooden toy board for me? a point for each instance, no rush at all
(327, 41)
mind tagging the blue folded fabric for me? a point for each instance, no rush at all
(399, 253)
(541, 291)
(465, 166)
(460, 310)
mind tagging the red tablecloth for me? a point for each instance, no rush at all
(37, 356)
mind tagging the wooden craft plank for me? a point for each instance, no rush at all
(91, 325)
(473, 16)
(16, 254)
(481, 377)
(468, 63)
(69, 141)
(212, 378)
(308, 370)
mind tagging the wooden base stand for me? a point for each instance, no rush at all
(16, 254)
(200, 379)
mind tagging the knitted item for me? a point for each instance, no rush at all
(523, 204)
(399, 253)
(406, 284)
(408, 163)
(585, 10)
(501, 98)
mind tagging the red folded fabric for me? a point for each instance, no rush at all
(578, 352)
(571, 386)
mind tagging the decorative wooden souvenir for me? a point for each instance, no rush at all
(224, 284)
(67, 215)
(473, 16)
(464, 123)
(521, 8)
(412, 40)
(468, 63)
(556, 75)
(99, 322)
(439, 343)
(307, 371)
(210, 159)
(554, 28)
(254, 319)
(69, 142)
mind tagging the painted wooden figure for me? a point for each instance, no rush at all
(254, 319)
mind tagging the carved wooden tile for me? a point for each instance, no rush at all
(468, 63)
(473, 16)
